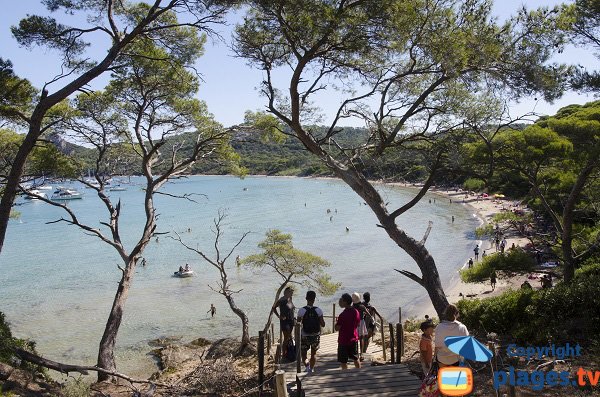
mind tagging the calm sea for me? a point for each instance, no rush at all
(57, 284)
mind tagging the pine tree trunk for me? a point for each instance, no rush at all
(106, 353)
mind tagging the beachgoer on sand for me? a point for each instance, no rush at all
(470, 263)
(493, 279)
(311, 318)
(449, 326)
(347, 327)
(476, 251)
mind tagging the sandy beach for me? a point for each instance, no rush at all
(485, 209)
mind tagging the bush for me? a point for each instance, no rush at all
(8, 344)
(515, 260)
(473, 184)
(565, 313)
(76, 388)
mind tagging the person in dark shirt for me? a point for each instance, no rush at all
(286, 317)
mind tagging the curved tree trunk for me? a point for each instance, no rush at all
(430, 278)
(106, 353)
(240, 313)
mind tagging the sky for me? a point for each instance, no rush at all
(229, 84)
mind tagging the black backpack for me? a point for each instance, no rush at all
(311, 324)
(291, 351)
(368, 315)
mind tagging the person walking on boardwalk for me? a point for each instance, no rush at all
(363, 332)
(311, 318)
(476, 251)
(346, 325)
(286, 317)
(370, 320)
(212, 310)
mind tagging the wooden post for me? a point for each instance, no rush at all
(383, 339)
(272, 333)
(398, 343)
(280, 384)
(392, 352)
(269, 342)
(298, 349)
(400, 315)
(261, 360)
(278, 354)
(333, 319)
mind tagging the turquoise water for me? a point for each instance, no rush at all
(57, 284)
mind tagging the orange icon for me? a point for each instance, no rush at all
(455, 381)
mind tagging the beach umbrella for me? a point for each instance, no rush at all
(468, 347)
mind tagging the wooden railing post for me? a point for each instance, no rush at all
(280, 384)
(298, 349)
(392, 352)
(400, 315)
(272, 333)
(261, 360)
(333, 319)
(383, 339)
(398, 343)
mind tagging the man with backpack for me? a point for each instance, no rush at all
(311, 318)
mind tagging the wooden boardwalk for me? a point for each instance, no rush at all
(330, 380)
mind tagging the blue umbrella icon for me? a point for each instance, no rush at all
(468, 347)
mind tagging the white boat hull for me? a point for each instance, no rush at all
(189, 273)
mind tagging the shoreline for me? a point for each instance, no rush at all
(484, 209)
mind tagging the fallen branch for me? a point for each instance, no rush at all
(82, 369)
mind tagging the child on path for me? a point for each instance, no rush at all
(426, 345)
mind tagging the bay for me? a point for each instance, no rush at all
(57, 284)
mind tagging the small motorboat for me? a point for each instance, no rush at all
(66, 194)
(184, 273)
(117, 188)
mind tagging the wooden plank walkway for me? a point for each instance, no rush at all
(384, 380)
(330, 380)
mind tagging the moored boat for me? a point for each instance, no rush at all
(66, 194)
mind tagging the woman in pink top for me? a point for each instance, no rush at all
(347, 327)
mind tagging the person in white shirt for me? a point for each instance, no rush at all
(311, 318)
(449, 326)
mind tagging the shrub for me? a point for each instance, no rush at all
(76, 388)
(474, 184)
(515, 260)
(565, 313)
(8, 344)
